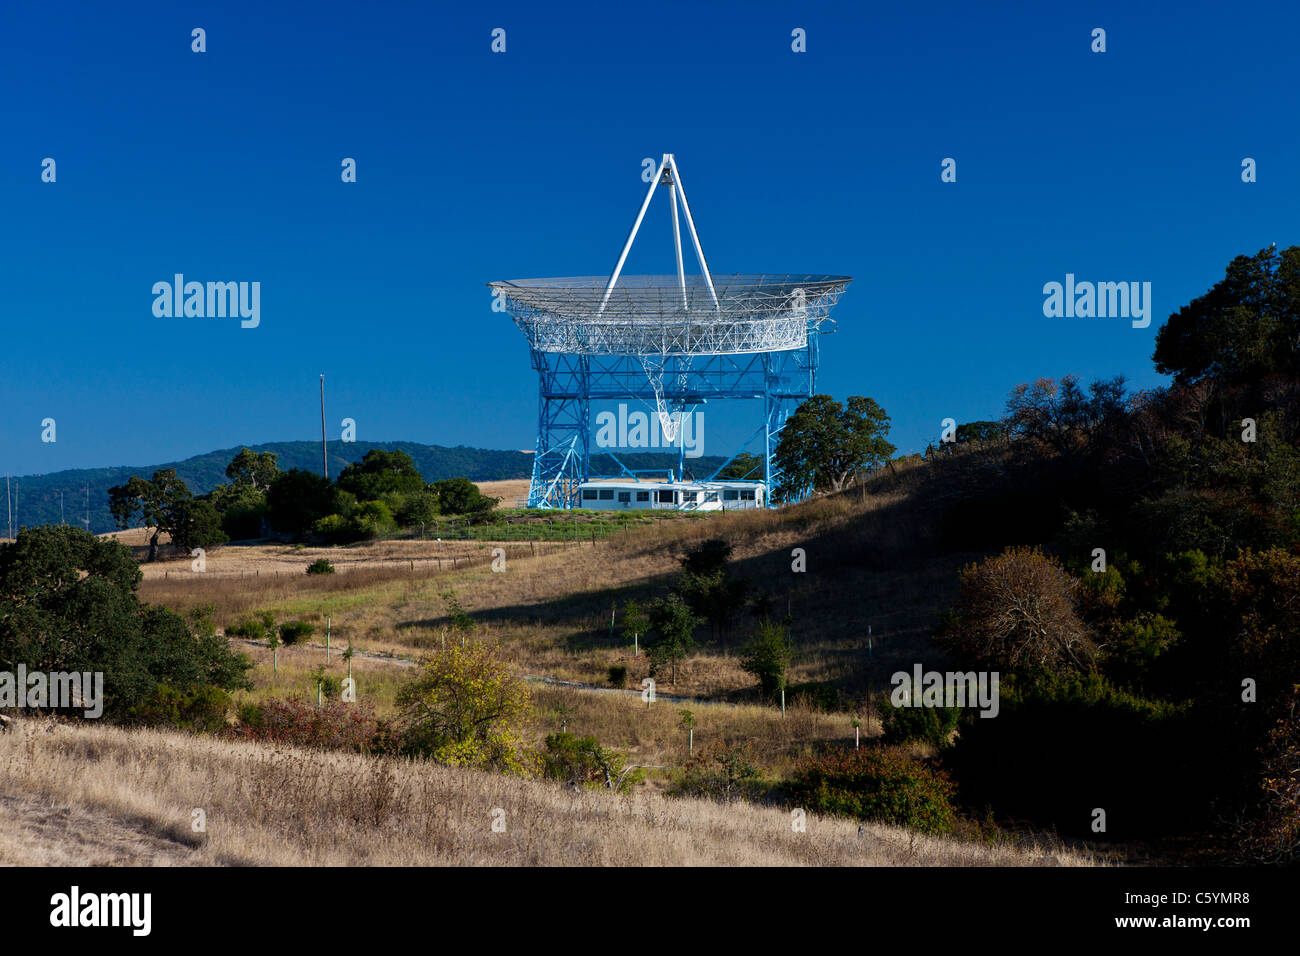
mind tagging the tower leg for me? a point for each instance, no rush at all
(562, 457)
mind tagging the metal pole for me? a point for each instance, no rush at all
(324, 445)
(690, 224)
(677, 245)
(627, 246)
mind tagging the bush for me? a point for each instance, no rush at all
(618, 676)
(932, 725)
(291, 632)
(332, 726)
(242, 521)
(767, 659)
(373, 519)
(1135, 645)
(250, 714)
(250, 629)
(583, 761)
(719, 771)
(202, 709)
(334, 528)
(460, 496)
(466, 707)
(420, 508)
(320, 566)
(884, 785)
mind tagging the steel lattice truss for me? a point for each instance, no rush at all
(661, 315)
(675, 340)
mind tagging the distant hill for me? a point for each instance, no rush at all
(37, 496)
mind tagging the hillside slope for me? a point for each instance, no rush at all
(131, 796)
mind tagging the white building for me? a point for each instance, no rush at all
(671, 495)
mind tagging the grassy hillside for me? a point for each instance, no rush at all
(875, 559)
(130, 797)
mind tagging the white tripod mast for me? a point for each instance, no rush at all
(668, 175)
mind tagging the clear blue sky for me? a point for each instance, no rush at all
(474, 166)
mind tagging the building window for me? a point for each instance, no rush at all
(643, 496)
(606, 494)
(710, 496)
(746, 496)
(689, 495)
(625, 496)
(666, 497)
(588, 494)
(731, 494)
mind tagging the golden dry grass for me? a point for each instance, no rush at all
(510, 491)
(619, 719)
(871, 563)
(106, 795)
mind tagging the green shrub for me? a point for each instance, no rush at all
(320, 566)
(1135, 644)
(202, 709)
(373, 519)
(882, 785)
(720, 771)
(334, 528)
(932, 725)
(420, 508)
(767, 658)
(291, 632)
(251, 629)
(583, 761)
(250, 714)
(242, 518)
(618, 676)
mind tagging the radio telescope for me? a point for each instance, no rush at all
(672, 341)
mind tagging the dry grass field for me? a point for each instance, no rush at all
(106, 796)
(510, 491)
(650, 735)
(868, 566)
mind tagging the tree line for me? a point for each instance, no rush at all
(370, 498)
